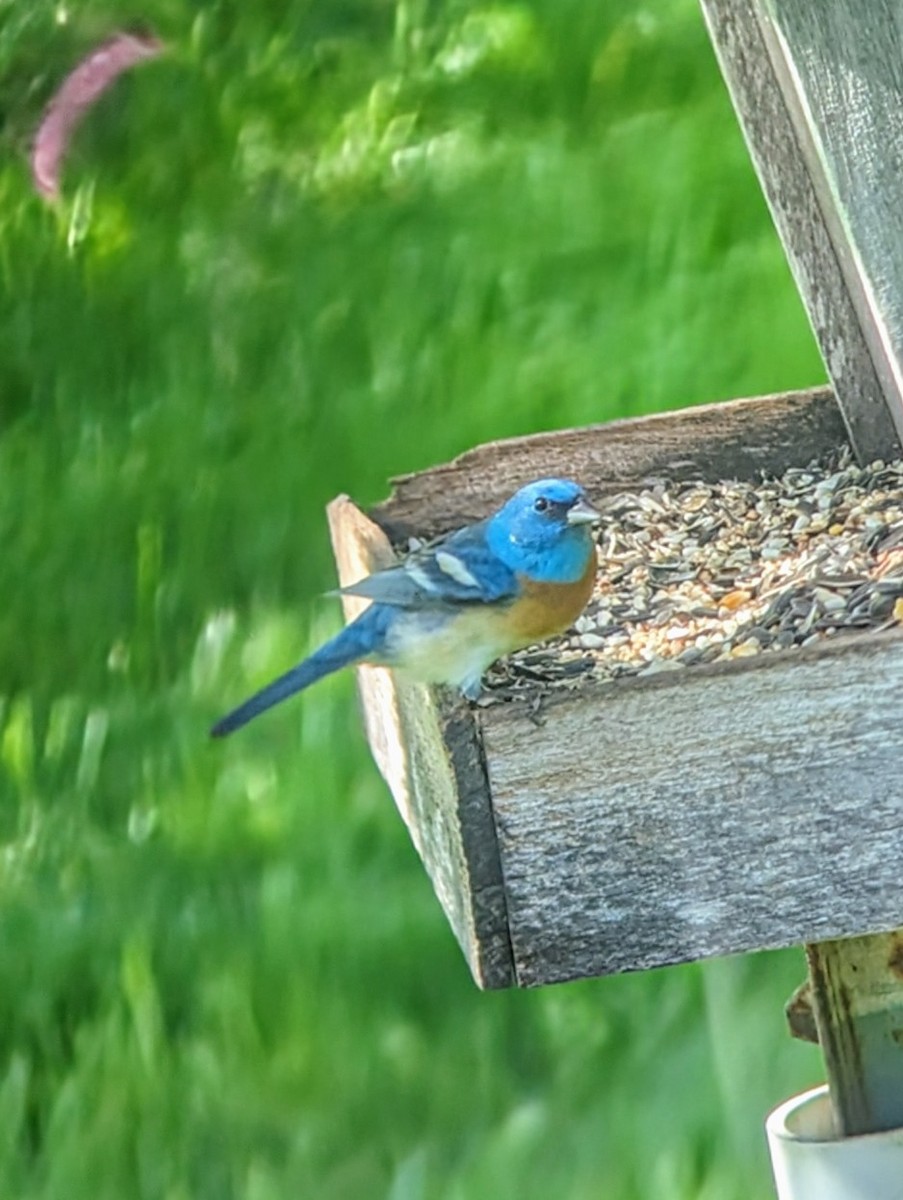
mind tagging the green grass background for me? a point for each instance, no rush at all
(318, 243)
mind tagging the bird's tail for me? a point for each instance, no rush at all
(363, 639)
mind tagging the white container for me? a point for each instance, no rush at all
(811, 1163)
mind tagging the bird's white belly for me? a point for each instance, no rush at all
(456, 653)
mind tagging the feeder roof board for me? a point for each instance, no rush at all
(818, 89)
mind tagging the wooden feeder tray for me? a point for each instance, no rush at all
(737, 805)
(724, 808)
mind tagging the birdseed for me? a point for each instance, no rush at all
(696, 572)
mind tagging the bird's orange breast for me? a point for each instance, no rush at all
(545, 609)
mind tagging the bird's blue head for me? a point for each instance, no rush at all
(544, 531)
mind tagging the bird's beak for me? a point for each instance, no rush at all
(582, 513)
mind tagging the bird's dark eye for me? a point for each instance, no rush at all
(541, 504)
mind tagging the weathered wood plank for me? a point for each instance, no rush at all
(840, 64)
(857, 997)
(733, 440)
(817, 90)
(723, 809)
(426, 746)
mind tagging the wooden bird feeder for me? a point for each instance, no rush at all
(729, 807)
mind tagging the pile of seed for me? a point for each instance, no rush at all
(694, 572)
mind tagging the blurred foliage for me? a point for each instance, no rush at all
(320, 242)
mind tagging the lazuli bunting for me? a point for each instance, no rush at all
(451, 609)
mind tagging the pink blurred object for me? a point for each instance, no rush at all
(79, 90)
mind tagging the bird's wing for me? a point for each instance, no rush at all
(460, 569)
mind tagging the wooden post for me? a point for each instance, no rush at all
(857, 997)
(818, 88)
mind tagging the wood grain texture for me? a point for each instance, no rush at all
(722, 809)
(811, 217)
(426, 746)
(857, 998)
(734, 440)
(839, 64)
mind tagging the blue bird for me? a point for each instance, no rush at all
(452, 608)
